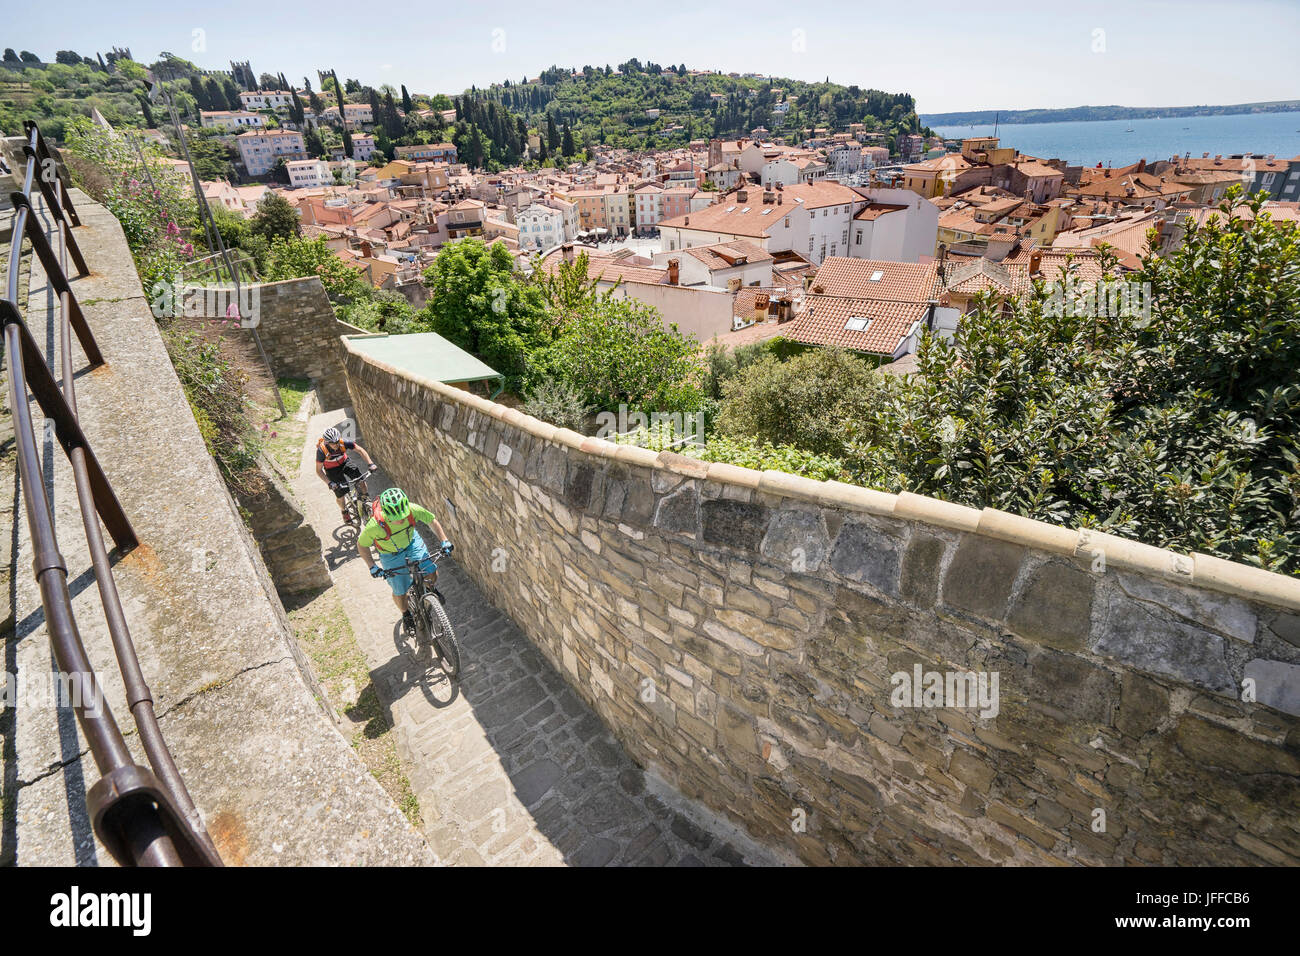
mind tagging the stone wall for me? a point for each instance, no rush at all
(290, 547)
(301, 335)
(744, 635)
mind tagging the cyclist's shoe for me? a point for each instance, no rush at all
(347, 517)
(408, 622)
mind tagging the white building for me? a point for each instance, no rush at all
(896, 225)
(231, 119)
(279, 100)
(259, 150)
(845, 158)
(791, 171)
(727, 265)
(649, 207)
(363, 147)
(545, 224)
(309, 172)
(765, 217)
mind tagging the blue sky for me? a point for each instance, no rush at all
(949, 55)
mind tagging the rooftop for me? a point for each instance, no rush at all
(425, 354)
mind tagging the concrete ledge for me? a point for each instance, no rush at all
(944, 514)
(1254, 583)
(681, 465)
(1132, 555)
(568, 438)
(635, 455)
(730, 474)
(1028, 532)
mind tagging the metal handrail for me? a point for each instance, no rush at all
(141, 817)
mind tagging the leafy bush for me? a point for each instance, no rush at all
(740, 451)
(617, 352)
(1179, 429)
(559, 403)
(297, 258)
(217, 392)
(804, 401)
(154, 204)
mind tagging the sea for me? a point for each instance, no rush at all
(1121, 142)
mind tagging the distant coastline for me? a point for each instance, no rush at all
(1077, 114)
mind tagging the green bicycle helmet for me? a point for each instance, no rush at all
(394, 504)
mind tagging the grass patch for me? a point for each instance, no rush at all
(282, 436)
(321, 627)
(292, 393)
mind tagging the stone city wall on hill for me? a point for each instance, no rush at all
(754, 637)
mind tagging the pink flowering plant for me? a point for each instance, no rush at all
(154, 202)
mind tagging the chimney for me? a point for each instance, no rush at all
(673, 266)
(780, 199)
(1142, 165)
(365, 249)
(742, 195)
(1035, 262)
(566, 252)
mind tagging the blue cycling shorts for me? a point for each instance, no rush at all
(396, 560)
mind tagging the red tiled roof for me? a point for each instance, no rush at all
(898, 282)
(824, 321)
(875, 210)
(722, 255)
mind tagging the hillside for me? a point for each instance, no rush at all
(1076, 114)
(613, 105)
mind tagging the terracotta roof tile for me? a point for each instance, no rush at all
(893, 281)
(825, 320)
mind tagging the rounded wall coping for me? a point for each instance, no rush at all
(1199, 570)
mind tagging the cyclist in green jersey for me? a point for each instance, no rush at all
(392, 532)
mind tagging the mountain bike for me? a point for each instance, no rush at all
(357, 502)
(432, 629)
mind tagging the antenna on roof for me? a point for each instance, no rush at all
(996, 118)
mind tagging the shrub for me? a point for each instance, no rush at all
(804, 401)
(559, 403)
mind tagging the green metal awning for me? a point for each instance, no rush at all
(428, 355)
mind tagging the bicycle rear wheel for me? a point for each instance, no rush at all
(444, 638)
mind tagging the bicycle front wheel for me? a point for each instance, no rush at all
(444, 638)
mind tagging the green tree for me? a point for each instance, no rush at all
(618, 352)
(297, 258)
(275, 218)
(569, 290)
(803, 401)
(479, 302)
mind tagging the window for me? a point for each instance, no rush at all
(857, 324)
(857, 240)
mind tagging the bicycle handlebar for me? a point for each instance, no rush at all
(410, 565)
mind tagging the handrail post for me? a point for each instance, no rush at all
(37, 141)
(54, 272)
(67, 430)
